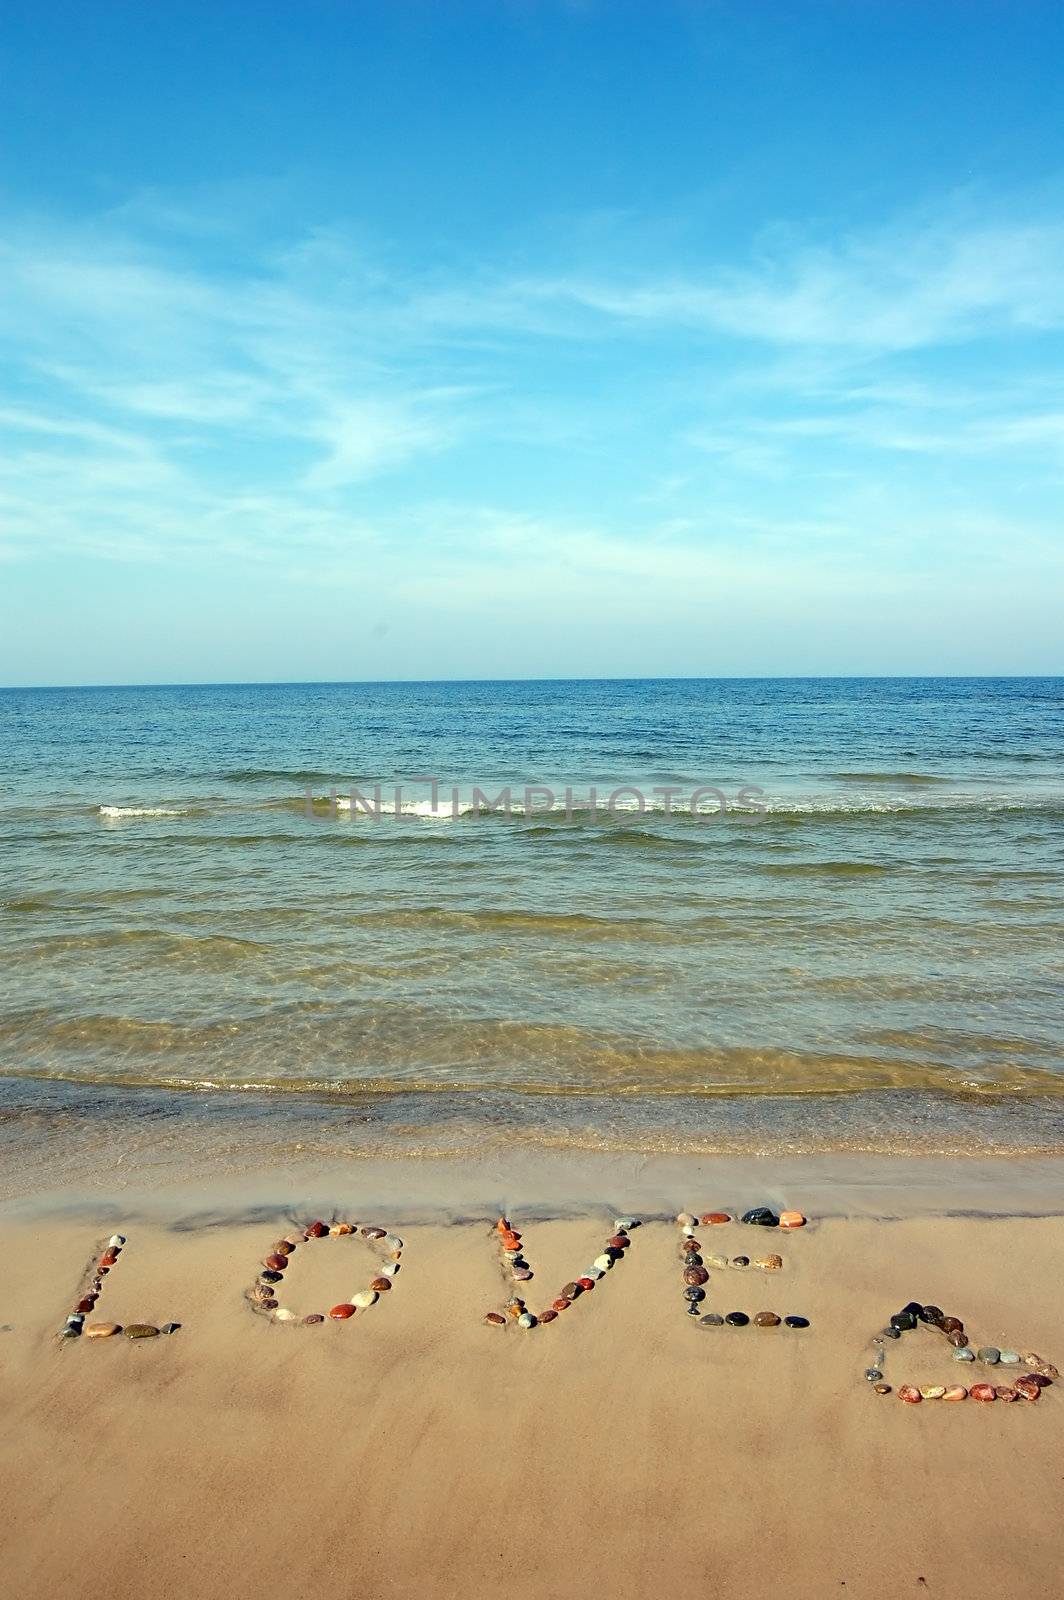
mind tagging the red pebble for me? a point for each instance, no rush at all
(342, 1312)
(911, 1395)
(548, 1316)
(562, 1304)
(86, 1305)
(982, 1391)
(715, 1216)
(109, 1259)
(495, 1320)
(317, 1230)
(620, 1241)
(587, 1284)
(276, 1263)
(1029, 1387)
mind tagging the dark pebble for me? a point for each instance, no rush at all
(903, 1320)
(796, 1322)
(737, 1319)
(914, 1306)
(271, 1277)
(890, 1333)
(932, 1314)
(761, 1217)
(694, 1294)
(712, 1319)
(169, 1327)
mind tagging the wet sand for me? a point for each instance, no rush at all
(415, 1450)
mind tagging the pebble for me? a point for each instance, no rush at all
(526, 1320)
(521, 1274)
(393, 1242)
(381, 1285)
(284, 1315)
(694, 1294)
(909, 1394)
(768, 1263)
(261, 1292)
(713, 1218)
(70, 1333)
(141, 1330)
(952, 1325)
(109, 1259)
(619, 1241)
(102, 1330)
(562, 1304)
(625, 1224)
(889, 1333)
(989, 1355)
(881, 1388)
(316, 1230)
(586, 1283)
(571, 1291)
(955, 1391)
(740, 1262)
(791, 1219)
(270, 1276)
(1031, 1359)
(594, 1273)
(957, 1337)
(268, 1305)
(737, 1319)
(691, 1247)
(1028, 1387)
(964, 1353)
(1009, 1358)
(276, 1263)
(116, 1241)
(983, 1391)
(761, 1217)
(283, 1247)
(766, 1319)
(715, 1261)
(712, 1319)
(390, 1268)
(341, 1313)
(364, 1299)
(338, 1229)
(873, 1374)
(169, 1327)
(931, 1314)
(495, 1319)
(315, 1316)
(86, 1305)
(1048, 1370)
(932, 1391)
(374, 1233)
(685, 1219)
(1006, 1392)
(903, 1321)
(695, 1275)
(604, 1263)
(548, 1316)
(796, 1322)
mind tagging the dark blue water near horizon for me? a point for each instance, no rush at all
(868, 897)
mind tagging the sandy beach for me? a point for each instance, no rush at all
(415, 1449)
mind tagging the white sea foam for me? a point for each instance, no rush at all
(143, 811)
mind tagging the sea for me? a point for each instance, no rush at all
(657, 915)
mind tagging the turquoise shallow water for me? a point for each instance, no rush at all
(869, 900)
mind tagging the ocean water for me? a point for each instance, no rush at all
(854, 932)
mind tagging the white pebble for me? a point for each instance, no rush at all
(604, 1263)
(283, 1315)
(389, 1269)
(116, 1241)
(685, 1219)
(364, 1298)
(526, 1320)
(392, 1243)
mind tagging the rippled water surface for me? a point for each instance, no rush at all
(879, 906)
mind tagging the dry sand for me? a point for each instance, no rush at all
(414, 1451)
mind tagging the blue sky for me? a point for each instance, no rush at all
(398, 339)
